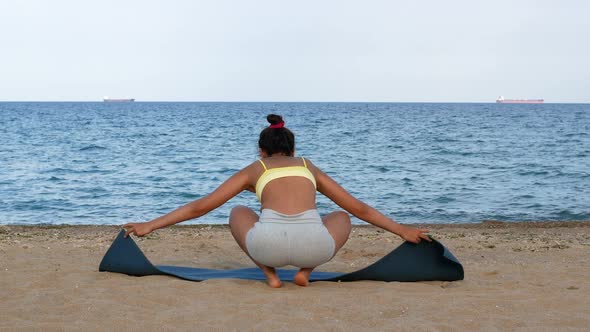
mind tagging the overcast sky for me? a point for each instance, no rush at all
(175, 50)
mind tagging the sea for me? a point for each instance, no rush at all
(110, 163)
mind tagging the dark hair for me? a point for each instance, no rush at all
(276, 140)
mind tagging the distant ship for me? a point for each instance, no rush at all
(501, 100)
(118, 100)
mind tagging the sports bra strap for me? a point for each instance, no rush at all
(266, 169)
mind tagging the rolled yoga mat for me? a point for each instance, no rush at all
(408, 262)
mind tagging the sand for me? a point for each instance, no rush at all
(518, 276)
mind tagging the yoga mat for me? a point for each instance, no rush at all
(408, 262)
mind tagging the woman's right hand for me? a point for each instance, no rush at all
(414, 235)
(138, 228)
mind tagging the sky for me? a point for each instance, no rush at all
(365, 51)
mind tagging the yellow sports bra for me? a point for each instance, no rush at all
(281, 172)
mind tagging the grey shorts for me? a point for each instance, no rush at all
(300, 240)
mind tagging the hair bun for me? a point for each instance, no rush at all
(274, 119)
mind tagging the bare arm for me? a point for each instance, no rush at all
(327, 186)
(227, 190)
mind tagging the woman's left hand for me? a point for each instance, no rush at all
(414, 235)
(138, 228)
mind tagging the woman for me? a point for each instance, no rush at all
(289, 230)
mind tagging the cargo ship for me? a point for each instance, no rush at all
(118, 100)
(501, 100)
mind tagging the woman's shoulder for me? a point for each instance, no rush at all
(255, 165)
(307, 160)
(310, 165)
(253, 168)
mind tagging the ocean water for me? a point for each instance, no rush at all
(111, 163)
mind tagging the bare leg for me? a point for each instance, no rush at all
(241, 220)
(338, 225)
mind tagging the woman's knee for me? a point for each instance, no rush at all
(343, 218)
(239, 209)
(339, 227)
(242, 215)
(338, 220)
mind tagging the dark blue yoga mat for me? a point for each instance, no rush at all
(408, 262)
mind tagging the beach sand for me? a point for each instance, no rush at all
(517, 276)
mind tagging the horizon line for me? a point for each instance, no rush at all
(278, 101)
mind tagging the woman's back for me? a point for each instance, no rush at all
(286, 184)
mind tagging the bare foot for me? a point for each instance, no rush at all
(272, 279)
(274, 282)
(301, 278)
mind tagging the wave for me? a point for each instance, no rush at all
(381, 169)
(570, 215)
(444, 151)
(92, 147)
(444, 199)
(576, 134)
(187, 195)
(532, 173)
(57, 170)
